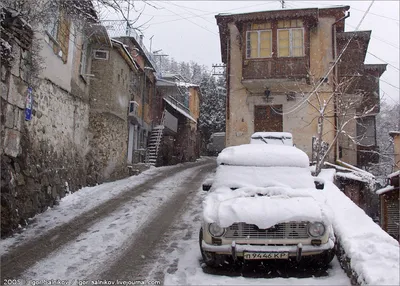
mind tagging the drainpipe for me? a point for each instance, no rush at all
(335, 75)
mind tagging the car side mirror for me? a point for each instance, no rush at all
(207, 185)
(319, 183)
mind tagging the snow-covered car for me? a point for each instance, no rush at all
(276, 138)
(263, 204)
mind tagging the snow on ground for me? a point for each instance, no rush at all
(105, 240)
(374, 254)
(185, 268)
(73, 205)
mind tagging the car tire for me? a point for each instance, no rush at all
(210, 258)
(324, 258)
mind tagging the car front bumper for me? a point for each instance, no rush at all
(237, 250)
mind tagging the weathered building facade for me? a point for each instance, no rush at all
(281, 67)
(45, 114)
(175, 138)
(113, 71)
(143, 88)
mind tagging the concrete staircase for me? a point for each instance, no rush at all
(155, 142)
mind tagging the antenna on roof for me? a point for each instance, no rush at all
(283, 4)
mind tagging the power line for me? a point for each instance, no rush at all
(330, 70)
(383, 61)
(189, 21)
(211, 13)
(379, 39)
(185, 8)
(387, 95)
(389, 84)
(378, 15)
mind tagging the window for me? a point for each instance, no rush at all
(259, 41)
(100, 55)
(83, 63)
(290, 38)
(52, 26)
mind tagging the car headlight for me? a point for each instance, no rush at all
(316, 229)
(216, 230)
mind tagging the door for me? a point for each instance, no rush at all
(268, 118)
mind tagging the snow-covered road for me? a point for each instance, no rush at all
(143, 228)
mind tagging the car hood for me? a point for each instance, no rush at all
(263, 207)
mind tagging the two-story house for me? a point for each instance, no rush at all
(280, 67)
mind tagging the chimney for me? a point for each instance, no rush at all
(141, 40)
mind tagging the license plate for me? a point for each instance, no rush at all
(265, 255)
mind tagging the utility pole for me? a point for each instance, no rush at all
(128, 28)
(283, 4)
(151, 41)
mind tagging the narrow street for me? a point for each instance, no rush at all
(147, 232)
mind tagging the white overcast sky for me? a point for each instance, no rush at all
(187, 30)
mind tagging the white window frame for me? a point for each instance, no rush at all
(103, 51)
(83, 62)
(258, 43)
(290, 42)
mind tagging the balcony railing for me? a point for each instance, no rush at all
(118, 28)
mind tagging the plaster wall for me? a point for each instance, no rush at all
(302, 122)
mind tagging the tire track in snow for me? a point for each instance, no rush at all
(132, 265)
(14, 263)
(106, 240)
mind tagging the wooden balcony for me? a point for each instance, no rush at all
(295, 68)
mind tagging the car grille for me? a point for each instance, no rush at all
(279, 231)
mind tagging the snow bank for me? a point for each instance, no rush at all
(247, 176)
(263, 207)
(374, 254)
(264, 155)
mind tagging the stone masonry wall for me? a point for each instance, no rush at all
(41, 159)
(108, 155)
(109, 98)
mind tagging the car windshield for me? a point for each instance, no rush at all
(234, 176)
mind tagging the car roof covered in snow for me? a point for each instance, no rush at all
(263, 155)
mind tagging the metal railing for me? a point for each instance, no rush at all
(119, 28)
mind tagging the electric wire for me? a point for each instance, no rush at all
(377, 38)
(384, 61)
(330, 70)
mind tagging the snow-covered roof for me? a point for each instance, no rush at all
(353, 173)
(218, 134)
(186, 84)
(263, 155)
(393, 133)
(394, 174)
(180, 110)
(351, 176)
(123, 46)
(385, 190)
